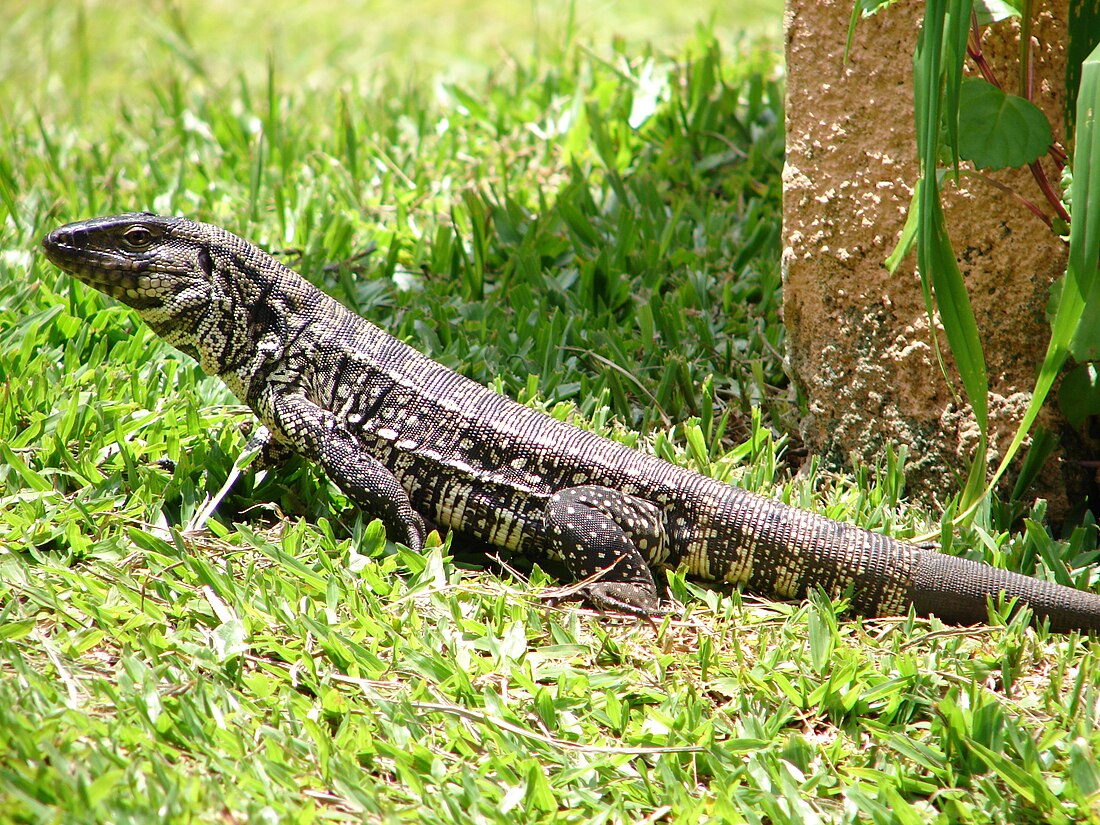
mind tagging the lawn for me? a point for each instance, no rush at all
(581, 209)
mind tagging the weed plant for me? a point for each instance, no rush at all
(592, 227)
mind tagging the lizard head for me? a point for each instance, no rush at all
(141, 259)
(160, 266)
(173, 271)
(203, 290)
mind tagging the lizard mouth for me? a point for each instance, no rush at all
(119, 275)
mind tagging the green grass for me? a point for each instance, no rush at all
(590, 224)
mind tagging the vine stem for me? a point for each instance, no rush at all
(1052, 196)
(1031, 207)
(974, 51)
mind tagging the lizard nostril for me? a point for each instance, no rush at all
(57, 239)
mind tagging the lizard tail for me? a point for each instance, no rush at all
(956, 590)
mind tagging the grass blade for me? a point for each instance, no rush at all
(939, 271)
(1075, 319)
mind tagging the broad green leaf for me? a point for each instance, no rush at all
(956, 36)
(935, 256)
(229, 639)
(908, 233)
(31, 478)
(870, 7)
(1083, 767)
(1024, 782)
(938, 63)
(1084, 235)
(999, 130)
(862, 9)
(1079, 395)
(994, 11)
(539, 795)
(1069, 327)
(822, 631)
(1083, 35)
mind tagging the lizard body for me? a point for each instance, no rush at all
(407, 439)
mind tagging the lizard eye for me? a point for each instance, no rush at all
(137, 238)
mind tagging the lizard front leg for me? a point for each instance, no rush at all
(602, 532)
(272, 453)
(372, 487)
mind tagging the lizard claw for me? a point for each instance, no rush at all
(414, 533)
(622, 597)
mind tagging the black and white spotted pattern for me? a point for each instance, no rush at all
(409, 440)
(599, 531)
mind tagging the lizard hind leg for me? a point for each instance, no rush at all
(604, 533)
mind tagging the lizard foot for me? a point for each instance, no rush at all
(624, 597)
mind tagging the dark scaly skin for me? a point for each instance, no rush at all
(408, 439)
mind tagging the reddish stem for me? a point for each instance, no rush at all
(1052, 197)
(1028, 205)
(974, 51)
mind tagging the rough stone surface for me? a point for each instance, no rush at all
(859, 342)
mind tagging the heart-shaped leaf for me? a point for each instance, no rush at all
(1079, 395)
(999, 130)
